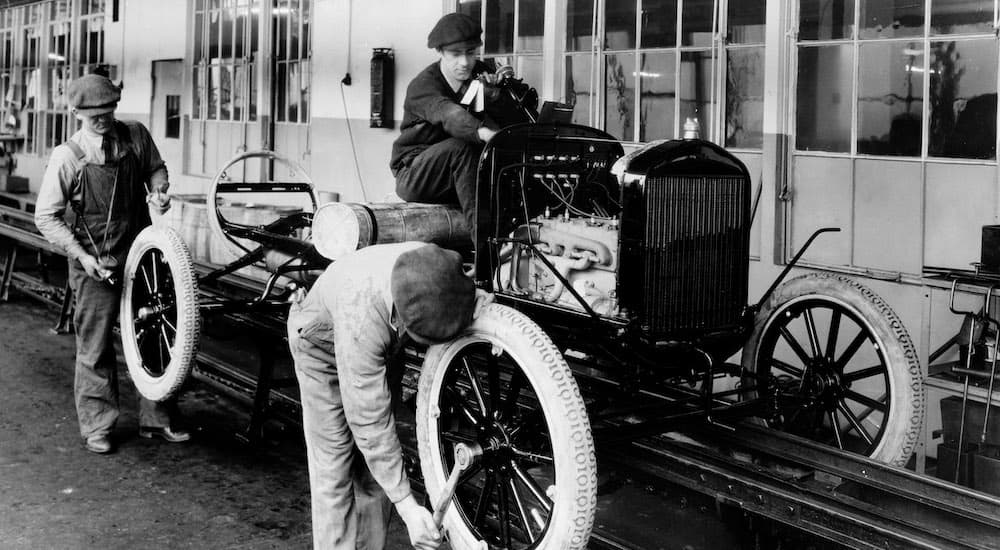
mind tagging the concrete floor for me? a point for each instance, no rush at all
(211, 492)
(214, 492)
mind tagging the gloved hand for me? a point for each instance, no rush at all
(158, 201)
(424, 535)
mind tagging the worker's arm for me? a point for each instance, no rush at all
(427, 99)
(57, 190)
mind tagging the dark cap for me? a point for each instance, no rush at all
(93, 94)
(433, 296)
(454, 28)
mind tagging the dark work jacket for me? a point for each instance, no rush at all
(432, 113)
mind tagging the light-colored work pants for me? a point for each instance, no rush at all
(96, 381)
(349, 509)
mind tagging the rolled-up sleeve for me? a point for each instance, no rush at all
(57, 190)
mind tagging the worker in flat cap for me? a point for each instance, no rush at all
(446, 119)
(343, 336)
(96, 195)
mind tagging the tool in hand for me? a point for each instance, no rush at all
(465, 457)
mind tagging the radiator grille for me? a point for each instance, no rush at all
(696, 252)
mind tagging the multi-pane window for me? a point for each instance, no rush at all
(225, 49)
(55, 110)
(9, 108)
(659, 63)
(292, 59)
(30, 81)
(512, 34)
(924, 82)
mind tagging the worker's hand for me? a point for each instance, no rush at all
(159, 202)
(498, 77)
(93, 268)
(483, 299)
(424, 535)
(485, 134)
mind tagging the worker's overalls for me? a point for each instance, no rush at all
(97, 302)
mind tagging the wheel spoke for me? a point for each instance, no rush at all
(493, 376)
(169, 324)
(852, 348)
(790, 369)
(482, 503)
(476, 388)
(166, 341)
(513, 391)
(458, 437)
(865, 400)
(534, 458)
(156, 276)
(831, 337)
(504, 516)
(877, 370)
(846, 411)
(838, 437)
(145, 279)
(532, 486)
(811, 332)
(794, 344)
(459, 401)
(522, 514)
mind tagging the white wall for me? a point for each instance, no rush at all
(146, 30)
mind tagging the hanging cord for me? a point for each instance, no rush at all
(354, 148)
(594, 59)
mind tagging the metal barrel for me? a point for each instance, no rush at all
(340, 227)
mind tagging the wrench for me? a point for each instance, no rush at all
(465, 457)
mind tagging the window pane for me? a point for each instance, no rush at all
(619, 96)
(825, 19)
(472, 8)
(529, 69)
(891, 18)
(281, 32)
(304, 96)
(963, 96)
(961, 16)
(213, 35)
(239, 32)
(294, 19)
(294, 91)
(579, 25)
(696, 22)
(745, 97)
(579, 77)
(890, 81)
(226, 92)
(173, 117)
(696, 88)
(227, 34)
(530, 23)
(281, 102)
(213, 92)
(619, 25)
(746, 21)
(657, 95)
(499, 29)
(253, 92)
(823, 106)
(198, 93)
(659, 23)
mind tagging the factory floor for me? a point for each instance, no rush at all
(215, 492)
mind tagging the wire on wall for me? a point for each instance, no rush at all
(346, 81)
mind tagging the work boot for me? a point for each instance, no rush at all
(165, 433)
(99, 444)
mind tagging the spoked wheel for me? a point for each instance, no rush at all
(836, 365)
(503, 385)
(159, 315)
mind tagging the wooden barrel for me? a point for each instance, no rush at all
(339, 228)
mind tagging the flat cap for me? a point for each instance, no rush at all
(454, 28)
(433, 297)
(93, 94)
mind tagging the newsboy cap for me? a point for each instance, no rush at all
(454, 28)
(433, 297)
(93, 94)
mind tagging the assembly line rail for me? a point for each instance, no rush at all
(835, 495)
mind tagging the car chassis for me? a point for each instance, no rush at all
(620, 285)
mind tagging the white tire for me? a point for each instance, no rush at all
(536, 484)
(159, 316)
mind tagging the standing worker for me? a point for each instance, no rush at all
(436, 155)
(341, 337)
(92, 203)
